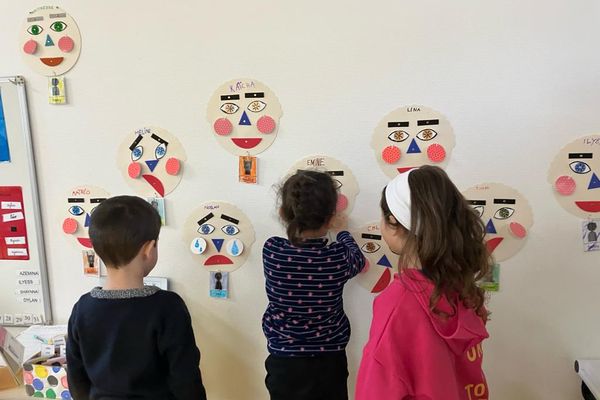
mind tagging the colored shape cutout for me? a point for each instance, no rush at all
(565, 185)
(244, 120)
(383, 261)
(436, 153)
(265, 124)
(594, 182)
(489, 227)
(66, 44)
(173, 166)
(413, 148)
(222, 127)
(391, 154)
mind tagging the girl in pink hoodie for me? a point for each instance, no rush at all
(428, 325)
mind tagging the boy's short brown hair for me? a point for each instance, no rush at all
(120, 226)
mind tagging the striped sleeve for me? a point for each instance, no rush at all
(352, 254)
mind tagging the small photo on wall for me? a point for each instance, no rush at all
(491, 282)
(219, 284)
(591, 235)
(159, 205)
(91, 263)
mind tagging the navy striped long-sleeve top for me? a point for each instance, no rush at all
(305, 315)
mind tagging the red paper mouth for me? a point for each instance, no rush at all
(86, 242)
(383, 281)
(403, 170)
(218, 259)
(246, 143)
(52, 61)
(589, 206)
(493, 243)
(155, 183)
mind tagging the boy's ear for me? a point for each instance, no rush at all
(148, 248)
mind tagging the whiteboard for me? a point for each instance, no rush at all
(24, 298)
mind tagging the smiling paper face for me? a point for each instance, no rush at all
(219, 236)
(381, 262)
(151, 161)
(506, 215)
(50, 41)
(244, 115)
(575, 177)
(79, 207)
(412, 136)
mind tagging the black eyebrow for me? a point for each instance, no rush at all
(505, 201)
(581, 155)
(230, 219)
(97, 199)
(230, 97)
(205, 218)
(159, 139)
(75, 200)
(336, 173)
(370, 236)
(476, 202)
(402, 124)
(34, 19)
(428, 122)
(61, 15)
(254, 95)
(135, 142)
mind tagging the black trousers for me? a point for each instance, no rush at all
(307, 378)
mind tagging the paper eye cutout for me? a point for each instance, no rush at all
(206, 229)
(230, 108)
(198, 245)
(235, 247)
(58, 26)
(479, 210)
(137, 153)
(370, 247)
(579, 167)
(257, 106)
(76, 210)
(160, 151)
(230, 230)
(504, 213)
(35, 30)
(426, 134)
(398, 136)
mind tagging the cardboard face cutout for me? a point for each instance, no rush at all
(506, 215)
(78, 208)
(575, 177)
(50, 41)
(244, 115)
(151, 161)
(219, 236)
(381, 262)
(412, 136)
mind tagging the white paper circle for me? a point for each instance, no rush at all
(235, 247)
(198, 245)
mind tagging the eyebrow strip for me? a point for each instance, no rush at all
(159, 139)
(35, 19)
(399, 124)
(205, 218)
(135, 142)
(75, 200)
(60, 15)
(230, 219)
(505, 201)
(581, 155)
(254, 95)
(370, 236)
(230, 97)
(428, 122)
(336, 173)
(476, 202)
(97, 199)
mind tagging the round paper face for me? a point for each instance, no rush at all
(151, 160)
(412, 136)
(506, 214)
(344, 180)
(244, 115)
(381, 262)
(219, 236)
(79, 205)
(50, 41)
(575, 177)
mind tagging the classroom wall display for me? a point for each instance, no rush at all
(506, 214)
(151, 160)
(381, 263)
(50, 41)
(244, 114)
(78, 208)
(14, 243)
(219, 236)
(411, 136)
(575, 177)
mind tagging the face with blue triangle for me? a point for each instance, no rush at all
(506, 215)
(575, 177)
(381, 262)
(411, 136)
(219, 236)
(80, 204)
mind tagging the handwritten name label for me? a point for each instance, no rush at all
(239, 86)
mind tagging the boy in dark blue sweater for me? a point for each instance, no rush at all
(126, 340)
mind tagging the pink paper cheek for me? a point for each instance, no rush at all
(366, 267)
(222, 127)
(66, 44)
(30, 47)
(436, 152)
(173, 166)
(565, 185)
(342, 203)
(518, 230)
(265, 124)
(391, 154)
(69, 226)
(134, 170)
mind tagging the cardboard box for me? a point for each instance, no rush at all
(49, 381)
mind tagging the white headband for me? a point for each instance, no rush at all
(397, 196)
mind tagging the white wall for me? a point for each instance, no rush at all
(517, 79)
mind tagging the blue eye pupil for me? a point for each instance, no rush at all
(230, 230)
(205, 229)
(580, 167)
(137, 153)
(76, 209)
(160, 151)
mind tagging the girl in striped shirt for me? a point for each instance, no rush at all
(305, 324)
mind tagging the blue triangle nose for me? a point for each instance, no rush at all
(594, 182)
(384, 262)
(87, 220)
(245, 120)
(49, 41)
(218, 243)
(151, 164)
(413, 148)
(490, 228)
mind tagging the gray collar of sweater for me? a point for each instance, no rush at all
(99, 293)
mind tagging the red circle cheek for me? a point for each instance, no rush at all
(173, 166)
(342, 203)
(222, 127)
(565, 185)
(391, 154)
(69, 226)
(436, 152)
(265, 124)
(134, 170)
(518, 230)
(65, 44)
(366, 267)
(30, 47)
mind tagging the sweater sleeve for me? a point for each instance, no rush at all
(79, 382)
(354, 257)
(177, 344)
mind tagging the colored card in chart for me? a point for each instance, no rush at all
(4, 151)
(14, 244)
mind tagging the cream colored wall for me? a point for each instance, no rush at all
(517, 80)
